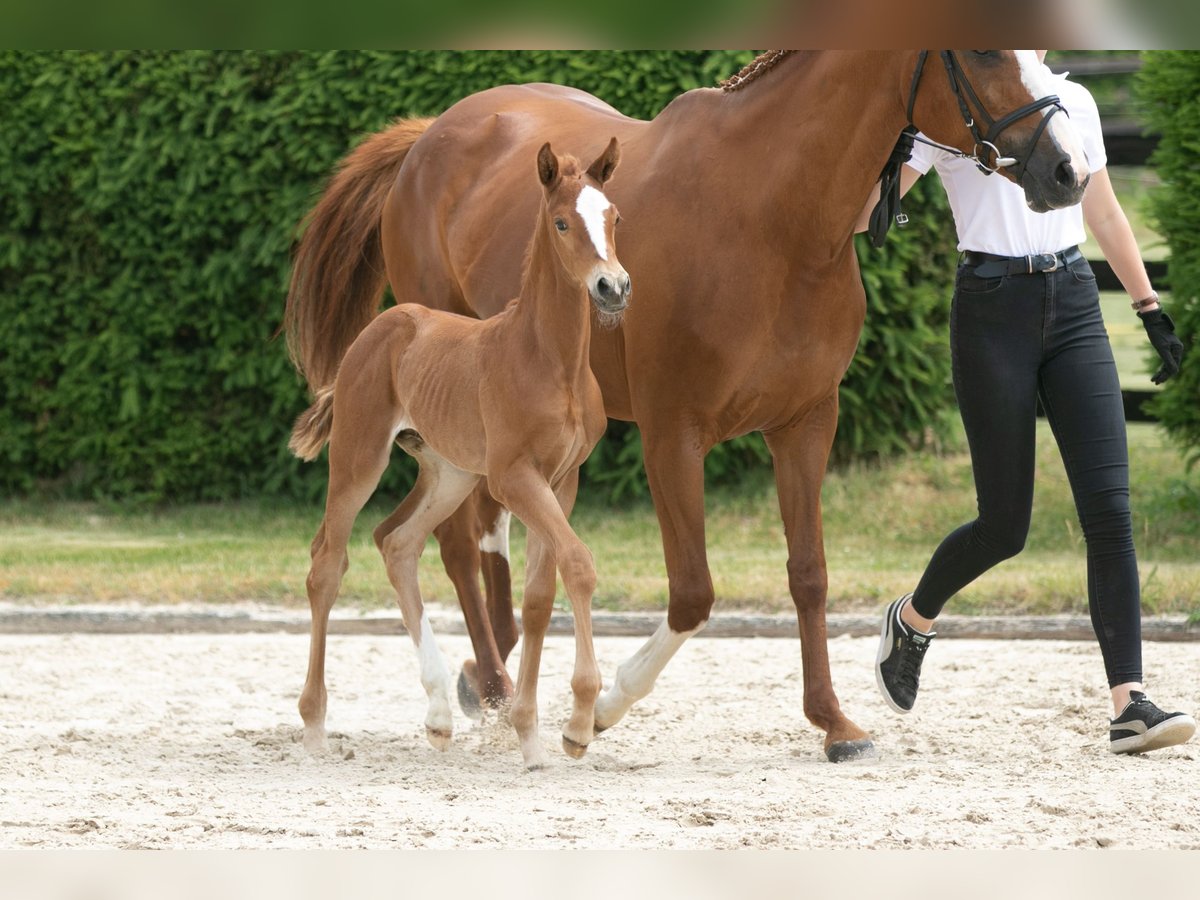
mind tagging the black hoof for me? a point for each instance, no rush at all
(598, 730)
(468, 699)
(847, 751)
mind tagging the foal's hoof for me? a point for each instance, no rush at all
(315, 742)
(468, 695)
(439, 738)
(848, 751)
(574, 749)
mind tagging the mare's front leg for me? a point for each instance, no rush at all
(439, 490)
(552, 544)
(801, 453)
(675, 468)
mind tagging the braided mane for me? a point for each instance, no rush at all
(755, 69)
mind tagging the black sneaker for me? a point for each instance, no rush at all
(1142, 726)
(898, 663)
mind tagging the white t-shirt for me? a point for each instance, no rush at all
(990, 211)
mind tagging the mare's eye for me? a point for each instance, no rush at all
(984, 53)
(617, 221)
(560, 225)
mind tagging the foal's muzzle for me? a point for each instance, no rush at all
(611, 291)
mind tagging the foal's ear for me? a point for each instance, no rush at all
(547, 166)
(606, 162)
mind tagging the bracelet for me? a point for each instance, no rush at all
(1139, 305)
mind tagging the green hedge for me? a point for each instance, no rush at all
(148, 203)
(1169, 87)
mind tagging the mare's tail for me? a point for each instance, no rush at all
(311, 431)
(338, 272)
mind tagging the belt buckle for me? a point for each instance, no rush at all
(1051, 266)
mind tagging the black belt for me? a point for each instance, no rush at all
(989, 265)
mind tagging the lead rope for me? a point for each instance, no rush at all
(887, 210)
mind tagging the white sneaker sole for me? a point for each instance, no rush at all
(1177, 730)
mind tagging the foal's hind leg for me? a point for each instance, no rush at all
(800, 455)
(440, 488)
(355, 466)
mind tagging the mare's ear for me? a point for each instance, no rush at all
(547, 166)
(606, 162)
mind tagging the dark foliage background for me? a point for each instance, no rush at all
(1169, 88)
(148, 204)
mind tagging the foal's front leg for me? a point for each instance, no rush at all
(544, 512)
(535, 619)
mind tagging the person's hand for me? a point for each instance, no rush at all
(1161, 331)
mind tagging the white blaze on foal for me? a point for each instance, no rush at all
(1034, 76)
(591, 206)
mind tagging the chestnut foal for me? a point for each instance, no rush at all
(512, 398)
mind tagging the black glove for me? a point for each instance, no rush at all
(1161, 331)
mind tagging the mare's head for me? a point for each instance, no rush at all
(582, 221)
(1004, 125)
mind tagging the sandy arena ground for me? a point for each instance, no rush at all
(191, 741)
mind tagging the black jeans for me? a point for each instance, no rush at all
(1015, 338)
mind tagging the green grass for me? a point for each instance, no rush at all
(881, 524)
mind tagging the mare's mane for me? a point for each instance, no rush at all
(755, 69)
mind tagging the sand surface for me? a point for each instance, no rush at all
(191, 741)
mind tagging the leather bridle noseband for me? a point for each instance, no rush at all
(888, 207)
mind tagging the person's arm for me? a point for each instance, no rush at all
(1108, 224)
(908, 177)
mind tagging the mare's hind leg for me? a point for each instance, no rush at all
(356, 463)
(497, 576)
(440, 488)
(466, 542)
(800, 453)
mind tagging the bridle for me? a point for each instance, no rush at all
(888, 207)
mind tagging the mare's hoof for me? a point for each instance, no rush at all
(847, 751)
(439, 738)
(574, 749)
(598, 729)
(468, 696)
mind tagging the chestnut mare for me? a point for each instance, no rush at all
(742, 204)
(513, 398)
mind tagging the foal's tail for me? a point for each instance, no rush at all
(311, 431)
(338, 272)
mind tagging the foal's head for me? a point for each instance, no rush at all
(582, 221)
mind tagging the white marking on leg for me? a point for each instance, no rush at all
(591, 206)
(1037, 78)
(435, 678)
(496, 540)
(636, 676)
